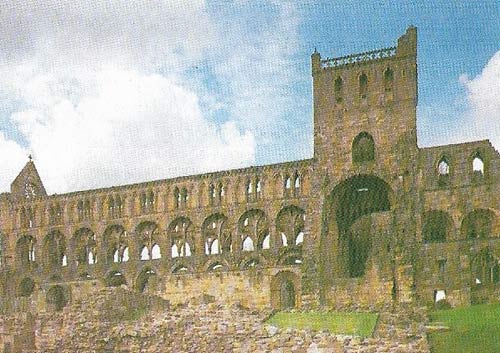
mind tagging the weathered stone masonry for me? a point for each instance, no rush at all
(371, 219)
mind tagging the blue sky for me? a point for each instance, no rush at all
(106, 93)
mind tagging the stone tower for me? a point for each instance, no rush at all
(365, 148)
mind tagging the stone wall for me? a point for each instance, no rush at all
(90, 325)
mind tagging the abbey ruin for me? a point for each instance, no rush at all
(371, 219)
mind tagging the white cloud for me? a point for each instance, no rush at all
(104, 93)
(483, 94)
(474, 114)
(132, 127)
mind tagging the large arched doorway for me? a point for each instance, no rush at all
(347, 229)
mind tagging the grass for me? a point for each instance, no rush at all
(356, 324)
(475, 329)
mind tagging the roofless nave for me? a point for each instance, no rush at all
(371, 219)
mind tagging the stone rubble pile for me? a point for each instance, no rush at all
(209, 327)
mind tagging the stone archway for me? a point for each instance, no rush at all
(285, 290)
(347, 235)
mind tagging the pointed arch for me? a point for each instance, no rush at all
(147, 238)
(54, 248)
(363, 85)
(290, 223)
(116, 242)
(363, 148)
(253, 225)
(181, 238)
(84, 246)
(338, 89)
(25, 250)
(217, 238)
(388, 80)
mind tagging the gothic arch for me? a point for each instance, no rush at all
(84, 246)
(363, 148)
(290, 225)
(26, 287)
(253, 228)
(54, 246)
(285, 290)
(148, 240)
(116, 244)
(181, 238)
(216, 238)
(26, 250)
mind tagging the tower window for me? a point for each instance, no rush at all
(363, 85)
(338, 89)
(388, 80)
(363, 148)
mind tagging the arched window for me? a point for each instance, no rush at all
(363, 85)
(249, 187)
(388, 80)
(184, 197)
(338, 90)
(443, 171)
(363, 148)
(253, 227)
(180, 237)
(212, 194)
(288, 182)
(485, 268)
(477, 168)
(478, 165)
(222, 191)
(297, 181)
(443, 167)
(147, 200)
(290, 223)
(144, 253)
(248, 244)
(177, 197)
(217, 238)
(156, 252)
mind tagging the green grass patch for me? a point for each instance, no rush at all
(475, 329)
(358, 324)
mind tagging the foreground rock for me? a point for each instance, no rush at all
(99, 325)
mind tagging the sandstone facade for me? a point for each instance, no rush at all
(370, 220)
